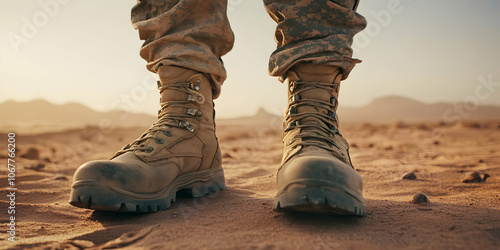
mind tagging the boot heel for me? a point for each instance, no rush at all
(201, 189)
(210, 186)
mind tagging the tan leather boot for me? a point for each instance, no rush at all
(179, 152)
(316, 174)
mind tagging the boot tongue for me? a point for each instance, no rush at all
(316, 73)
(171, 75)
(313, 73)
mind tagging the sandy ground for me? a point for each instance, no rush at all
(459, 215)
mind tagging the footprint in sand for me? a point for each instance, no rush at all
(127, 239)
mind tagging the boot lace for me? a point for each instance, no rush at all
(318, 134)
(168, 120)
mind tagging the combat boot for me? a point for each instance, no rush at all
(316, 174)
(179, 152)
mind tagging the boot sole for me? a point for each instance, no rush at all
(95, 196)
(318, 199)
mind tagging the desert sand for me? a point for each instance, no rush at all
(440, 155)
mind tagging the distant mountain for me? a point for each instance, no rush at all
(262, 119)
(47, 116)
(394, 108)
(391, 109)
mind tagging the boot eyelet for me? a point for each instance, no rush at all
(335, 129)
(333, 101)
(168, 133)
(184, 124)
(159, 140)
(190, 128)
(294, 98)
(191, 112)
(149, 149)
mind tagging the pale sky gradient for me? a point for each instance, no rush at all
(88, 52)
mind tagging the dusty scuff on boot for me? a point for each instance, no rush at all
(179, 152)
(316, 174)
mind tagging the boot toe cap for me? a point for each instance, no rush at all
(106, 172)
(320, 171)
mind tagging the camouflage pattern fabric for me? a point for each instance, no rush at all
(196, 34)
(188, 33)
(315, 31)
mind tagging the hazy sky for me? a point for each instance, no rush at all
(87, 52)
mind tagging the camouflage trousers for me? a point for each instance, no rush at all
(196, 34)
